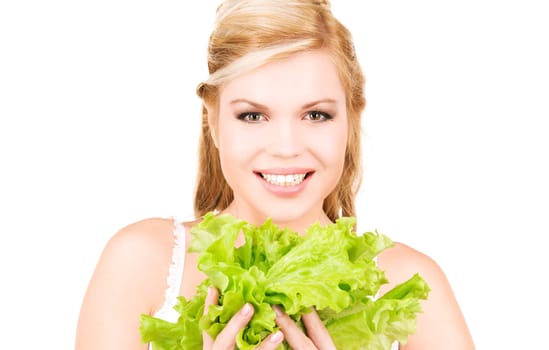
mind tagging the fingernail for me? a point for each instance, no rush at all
(276, 337)
(246, 309)
(277, 310)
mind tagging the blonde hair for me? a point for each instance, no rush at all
(251, 33)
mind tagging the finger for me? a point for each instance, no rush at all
(271, 342)
(226, 338)
(293, 335)
(317, 331)
(211, 299)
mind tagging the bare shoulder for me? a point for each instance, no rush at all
(129, 280)
(142, 251)
(401, 262)
(441, 325)
(145, 239)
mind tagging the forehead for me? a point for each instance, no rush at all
(302, 77)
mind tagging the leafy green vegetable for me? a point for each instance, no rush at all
(331, 268)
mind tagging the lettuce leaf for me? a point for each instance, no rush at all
(331, 268)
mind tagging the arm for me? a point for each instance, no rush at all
(441, 325)
(129, 280)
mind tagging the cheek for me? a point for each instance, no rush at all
(236, 148)
(225, 145)
(331, 146)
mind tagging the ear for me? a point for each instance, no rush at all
(212, 123)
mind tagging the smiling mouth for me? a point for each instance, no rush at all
(285, 180)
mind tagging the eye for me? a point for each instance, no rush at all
(318, 116)
(251, 117)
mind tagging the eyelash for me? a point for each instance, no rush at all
(323, 115)
(245, 117)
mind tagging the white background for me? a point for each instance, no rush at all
(99, 123)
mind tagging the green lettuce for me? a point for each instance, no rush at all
(331, 268)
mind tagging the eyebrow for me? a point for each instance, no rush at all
(252, 103)
(305, 106)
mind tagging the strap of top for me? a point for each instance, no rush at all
(175, 275)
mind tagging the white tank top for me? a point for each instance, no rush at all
(175, 277)
(175, 274)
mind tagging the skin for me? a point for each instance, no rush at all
(130, 277)
(286, 117)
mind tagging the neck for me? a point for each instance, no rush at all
(296, 224)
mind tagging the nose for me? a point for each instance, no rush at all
(285, 139)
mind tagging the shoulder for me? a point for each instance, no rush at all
(129, 280)
(138, 256)
(402, 261)
(144, 238)
(441, 324)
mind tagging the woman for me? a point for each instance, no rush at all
(280, 139)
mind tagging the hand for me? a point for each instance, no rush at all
(317, 337)
(225, 340)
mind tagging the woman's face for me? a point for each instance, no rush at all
(281, 134)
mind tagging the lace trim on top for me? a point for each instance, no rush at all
(175, 275)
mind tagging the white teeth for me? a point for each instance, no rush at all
(284, 180)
